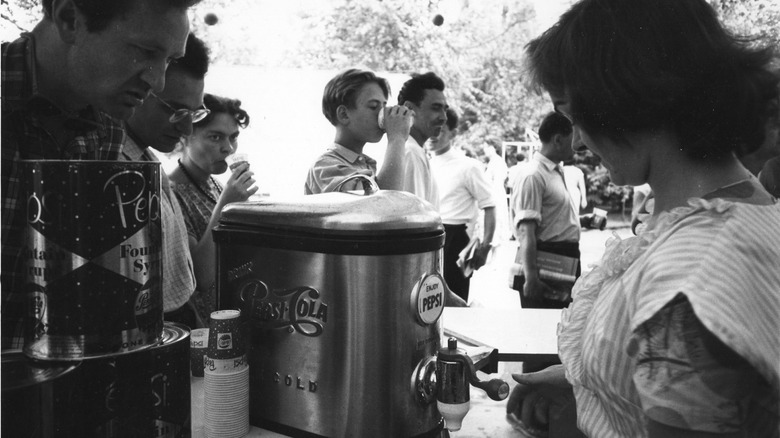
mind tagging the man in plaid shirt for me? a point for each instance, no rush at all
(66, 86)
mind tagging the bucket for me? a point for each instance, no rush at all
(92, 258)
(342, 295)
(145, 393)
(33, 396)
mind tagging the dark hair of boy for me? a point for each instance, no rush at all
(343, 89)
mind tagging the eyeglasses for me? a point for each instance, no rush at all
(180, 114)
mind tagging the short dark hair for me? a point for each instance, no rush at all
(630, 66)
(452, 119)
(195, 61)
(343, 89)
(554, 123)
(99, 13)
(413, 90)
(219, 104)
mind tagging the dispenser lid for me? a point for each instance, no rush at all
(338, 213)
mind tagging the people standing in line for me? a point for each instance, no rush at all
(674, 331)
(463, 192)
(66, 86)
(424, 94)
(202, 198)
(160, 124)
(542, 213)
(575, 183)
(351, 102)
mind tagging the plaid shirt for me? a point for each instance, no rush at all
(35, 128)
(178, 276)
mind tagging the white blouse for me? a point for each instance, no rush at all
(723, 256)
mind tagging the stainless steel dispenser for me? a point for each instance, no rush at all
(342, 297)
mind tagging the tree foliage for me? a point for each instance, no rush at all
(477, 50)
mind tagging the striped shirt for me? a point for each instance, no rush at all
(35, 128)
(720, 255)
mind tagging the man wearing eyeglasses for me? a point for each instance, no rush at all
(159, 124)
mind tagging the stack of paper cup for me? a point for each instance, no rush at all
(226, 378)
(226, 404)
(199, 341)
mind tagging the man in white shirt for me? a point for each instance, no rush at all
(463, 191)
(575, 182)
(423, 93)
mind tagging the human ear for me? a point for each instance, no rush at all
(342, 115)
(67, 19)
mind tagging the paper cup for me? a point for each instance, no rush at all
(226, 340)
(199, 341)
(236, 159)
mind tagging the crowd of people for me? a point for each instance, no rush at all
(673, 333)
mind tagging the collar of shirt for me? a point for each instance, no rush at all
(350, 155)
(20, 94)
(20, 85)
(546, 162)
(133, 151)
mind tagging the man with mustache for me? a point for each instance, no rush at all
(87, 65)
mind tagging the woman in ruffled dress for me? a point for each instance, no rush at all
(676, 331)
(201, 196)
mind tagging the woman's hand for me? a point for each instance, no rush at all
(239, 187)
(539, 398)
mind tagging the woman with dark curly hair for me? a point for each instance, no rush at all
(674, 333)
(202, 197)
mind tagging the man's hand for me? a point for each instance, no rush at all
(480, 255)
(536, 289)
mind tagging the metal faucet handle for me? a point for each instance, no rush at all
(496, 389)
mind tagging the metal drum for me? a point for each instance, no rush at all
(145, 393)
(341, 295)
(92, 258)
(33, 397)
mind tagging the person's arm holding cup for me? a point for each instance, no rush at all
(238, 188)
(396, 121)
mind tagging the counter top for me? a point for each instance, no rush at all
(517, 334)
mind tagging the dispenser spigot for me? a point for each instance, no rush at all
(454, 372)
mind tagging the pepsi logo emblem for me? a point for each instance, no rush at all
(430, 298)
